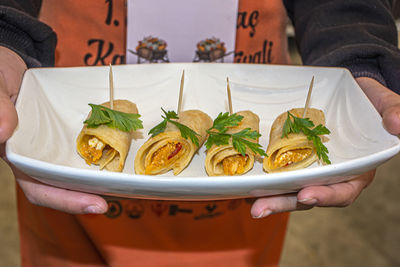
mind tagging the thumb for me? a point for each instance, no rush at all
(391, 119)
(12, 68)
(8, 116)
(386, 102)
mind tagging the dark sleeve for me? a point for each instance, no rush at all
(22, 32)
(359, 35)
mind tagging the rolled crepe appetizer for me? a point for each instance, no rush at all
(225, 159)
(105, 146)
(294, 151)
(169, 150)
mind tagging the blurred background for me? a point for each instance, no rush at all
(364, 234)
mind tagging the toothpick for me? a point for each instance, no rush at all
(228, 89)
(181, 92)
(308, 97)
(111, 88)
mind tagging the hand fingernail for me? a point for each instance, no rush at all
(93, 210)
(263, 214)
(308, 201)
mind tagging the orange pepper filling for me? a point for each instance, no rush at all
(234, 164)
(92, 150)
(164, 156)
(291, 156)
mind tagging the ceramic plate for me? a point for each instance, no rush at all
(53, 103)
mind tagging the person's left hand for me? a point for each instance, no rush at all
(12, 68)
(342, 194)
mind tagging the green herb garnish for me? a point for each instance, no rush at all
(186, 132)
(218, 136)
(101, 115)
(305, 125)
(224, 120)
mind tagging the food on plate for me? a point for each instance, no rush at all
(233, 144)
(173, 142)
(295, 142)
(106, 137)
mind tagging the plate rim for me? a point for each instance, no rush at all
(185, 181)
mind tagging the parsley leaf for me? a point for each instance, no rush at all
(186, 132)
(170, 114)
(218, 136)
(159, 128)
(305, 125)
(97, 117)
(101, 115)
(224, 120)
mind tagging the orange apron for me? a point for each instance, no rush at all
(142, 232)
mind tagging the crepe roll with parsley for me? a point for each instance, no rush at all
(173, 142)
(233, 144)
(295, 141)
(106, 137)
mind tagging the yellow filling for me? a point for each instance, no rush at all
(164, 156)
(234, 164)
(291, 156)
(92, 150)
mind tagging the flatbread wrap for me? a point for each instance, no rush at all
(294, 151)
(105, 146)
(169, 150)
(225, 159)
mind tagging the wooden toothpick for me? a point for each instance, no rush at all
(111, 88)
(228, 89)
(181, 92)
(306, 106)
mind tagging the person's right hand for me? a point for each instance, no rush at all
(387, 103)
(12, 68)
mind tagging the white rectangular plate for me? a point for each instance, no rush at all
(53, 103)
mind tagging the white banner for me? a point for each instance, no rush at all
(181, 30)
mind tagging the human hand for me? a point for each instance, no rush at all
(12, 68)
(342, 194)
